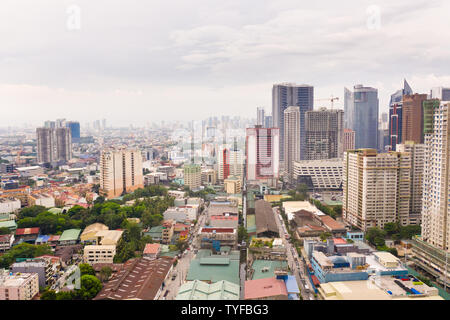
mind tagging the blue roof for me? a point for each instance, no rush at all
(42, 238)
(293, 296)
(291, 284)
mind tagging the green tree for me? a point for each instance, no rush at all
(105, 273)
(325, 235)
(391, 228)
(86, 269)
(4, 230)
(242, 234)
(64, 295)
(89, 288)
(32, 211)
(376, 236)
(48, 295)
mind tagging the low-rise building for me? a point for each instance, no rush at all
(140, 279)
(6, 241)
(69, 237)
(27, 172)
(44, 200)
(199, 290)
(152, 250)
(214, 238)
(167, 231)
(9, 205)
(28, 235)
(232, 185)
(265, 289)
(99, 254)
(319, 174)
(23, 286)
(43, 267)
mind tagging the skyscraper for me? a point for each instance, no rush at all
(396, 115)
(361, 115)
(262, 147)
(260, 117)
(291, 140)
(432, 248)
(289, 94)
(412, 123)
(324, 134)
(376, 188)
(120, 171)
(53, 144)
(74, 127)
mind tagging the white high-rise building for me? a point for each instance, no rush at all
(432, 249)
(262, 154)
(120, 171)
(291, 140)
(230, 162)
(376, 188)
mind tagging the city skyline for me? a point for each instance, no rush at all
(218, 62)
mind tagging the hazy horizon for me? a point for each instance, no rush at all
(135, 62)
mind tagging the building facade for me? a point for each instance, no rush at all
(324, 134)
(412, 123)
(361, 115)
(192, 176)
(290, 94)
(262, 157)
(53, 145)
(291, 140)
(319, 174)
(377, 188)
(432, 249)
(120, 171)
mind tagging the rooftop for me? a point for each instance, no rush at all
(70, 235)
(264, 288)
(199, 290)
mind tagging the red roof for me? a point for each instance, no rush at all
(151, 248)
(53, 238)
(264, 288)
(339, 241)
(26, 231)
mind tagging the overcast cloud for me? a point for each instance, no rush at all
(140, 61)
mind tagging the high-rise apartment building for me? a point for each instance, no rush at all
(432, 249)
(260, 117)
(377, 188)
(53, 144)
(361, 115)
(396, 115)
(192, 174)
(289, 94)
(291, 140)
(120, 171)
(412, 123)
(230, 162)
(18, 286)
(262, 153)
(349, 140)
(417, 152)
(324, 134)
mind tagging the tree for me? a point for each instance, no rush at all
(48, 295)
(391, 228)
(376, 236)
(65, 295)
(32, 211)
(105, 273)
(4, 230)
(86, 269)
(90, 287)
(242, 234)
(181, 245)
(325, 235)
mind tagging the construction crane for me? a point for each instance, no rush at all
(332, 99)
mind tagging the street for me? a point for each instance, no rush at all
(182, 267)
(294, 261)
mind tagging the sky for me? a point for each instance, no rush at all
(137, 62)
